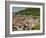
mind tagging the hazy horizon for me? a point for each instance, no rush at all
(16, 9)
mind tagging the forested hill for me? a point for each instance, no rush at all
(29, 11)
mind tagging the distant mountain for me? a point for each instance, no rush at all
(29, 11)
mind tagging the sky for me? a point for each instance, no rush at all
(16, 9)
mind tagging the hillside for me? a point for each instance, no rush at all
(29, 11)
